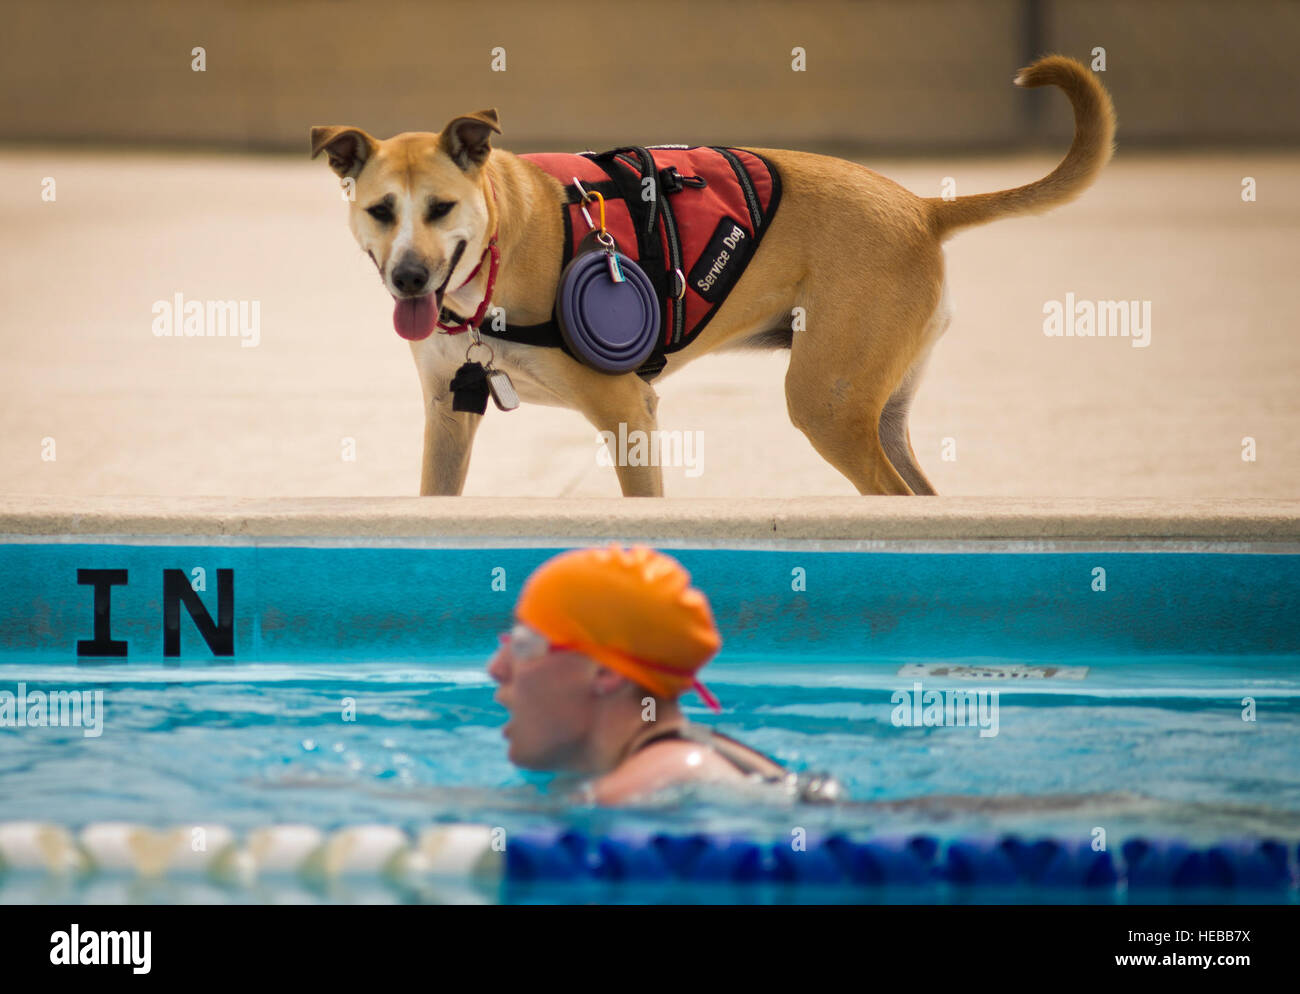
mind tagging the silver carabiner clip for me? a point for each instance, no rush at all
(586, 199)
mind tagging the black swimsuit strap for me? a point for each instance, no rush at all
(810, 787)
(672, 733)
(745, 766)
(737, 762)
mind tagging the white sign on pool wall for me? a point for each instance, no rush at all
(994, 671)
(82, 709)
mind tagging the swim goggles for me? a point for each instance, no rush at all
(527, 644)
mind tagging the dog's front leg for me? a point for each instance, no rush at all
(637, 481)
(448, 439)
(619, 407)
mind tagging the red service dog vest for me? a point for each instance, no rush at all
(691, 217)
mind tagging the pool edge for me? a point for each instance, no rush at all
(660, 518)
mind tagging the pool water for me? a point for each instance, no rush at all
(1156, 747)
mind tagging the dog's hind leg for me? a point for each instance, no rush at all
(897, 439)
(840, 415)
(894, 433)
(848, 383)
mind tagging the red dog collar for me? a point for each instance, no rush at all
(495, 254)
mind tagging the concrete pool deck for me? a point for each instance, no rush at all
(1258, 521)
(328, 404)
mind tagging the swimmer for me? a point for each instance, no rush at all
(605, 641)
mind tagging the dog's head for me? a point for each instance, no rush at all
(418, 206)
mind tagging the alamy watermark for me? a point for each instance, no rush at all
(1073, 318)
(656, 447)
(102, 948)
(919, 708)
(82, 709)
(181, 318)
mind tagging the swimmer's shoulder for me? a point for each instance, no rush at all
(659, 766)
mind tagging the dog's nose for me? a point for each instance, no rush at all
(410, 277)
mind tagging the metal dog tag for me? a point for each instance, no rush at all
(615, 270)
(502, 390)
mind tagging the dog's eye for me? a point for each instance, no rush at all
(381, 213)
(440, 210)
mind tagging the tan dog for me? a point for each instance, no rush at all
(861, 255)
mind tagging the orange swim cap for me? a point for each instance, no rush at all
(632, 610)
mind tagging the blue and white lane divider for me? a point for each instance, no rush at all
(452, 851)
(486, 854)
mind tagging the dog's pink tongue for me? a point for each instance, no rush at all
(414, 317)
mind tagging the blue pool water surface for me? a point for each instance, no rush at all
(1159, 751)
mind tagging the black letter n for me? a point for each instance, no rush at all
(221, 636)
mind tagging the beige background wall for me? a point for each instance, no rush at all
(880, 75)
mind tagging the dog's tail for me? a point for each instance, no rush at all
(1094, 135)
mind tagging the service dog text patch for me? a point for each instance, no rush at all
(722, 261)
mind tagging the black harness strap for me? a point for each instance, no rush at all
(623, 186)
(742, 177)
(643, 211)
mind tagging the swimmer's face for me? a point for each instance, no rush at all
(550, 699)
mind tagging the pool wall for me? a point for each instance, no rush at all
(303, 581)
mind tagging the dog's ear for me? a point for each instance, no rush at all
(347, 148)
(465, 139)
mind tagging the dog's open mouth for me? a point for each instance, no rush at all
(414, 318)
